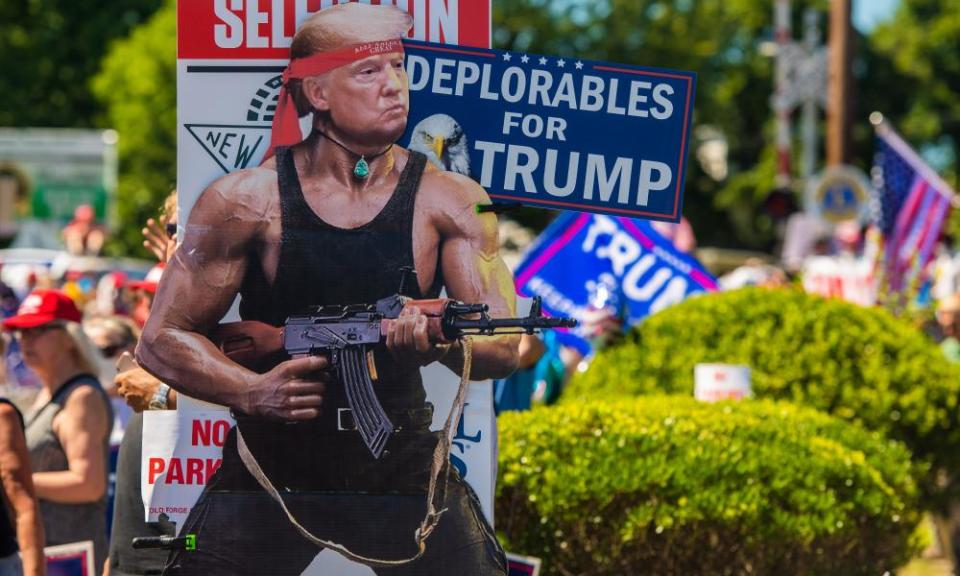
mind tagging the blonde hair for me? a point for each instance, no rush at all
(340, 26)
(345, 24)
(85, 353)
(169, 207)
(121, 330)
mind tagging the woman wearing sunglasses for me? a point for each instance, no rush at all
(68, 428)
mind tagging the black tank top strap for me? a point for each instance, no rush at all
(293, 207)
(408, 187)
(406, 194)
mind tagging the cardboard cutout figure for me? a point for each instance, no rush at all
(333, 220)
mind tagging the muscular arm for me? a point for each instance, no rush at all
(474, 272)
(198, 286)
(18, 487)
(81, 428)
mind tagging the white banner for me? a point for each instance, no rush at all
(716, 382)
(181, 451)
(843, 277)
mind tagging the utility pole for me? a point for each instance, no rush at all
(838, 107)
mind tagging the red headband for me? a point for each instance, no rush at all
(286, 121)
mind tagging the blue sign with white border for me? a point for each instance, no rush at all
(583, 262)
(560, 133)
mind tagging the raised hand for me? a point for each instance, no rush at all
(158, 241)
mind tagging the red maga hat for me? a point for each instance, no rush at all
(149, 283)
(41, 307)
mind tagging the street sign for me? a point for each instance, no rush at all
(840, 193)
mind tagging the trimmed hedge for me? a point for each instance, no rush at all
(860, 364)
(670, 486)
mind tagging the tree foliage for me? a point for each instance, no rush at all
(922, 42)
(142, 107)
(916, 79)
(49, 49)
(718, 39)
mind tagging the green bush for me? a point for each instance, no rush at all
(860, 364)
(670, 486)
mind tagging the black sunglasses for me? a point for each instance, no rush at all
(37, 330)
(110, 350)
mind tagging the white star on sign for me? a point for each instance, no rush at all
(561, 62)
(524, 58)
(506, 57)
(579, 65)
(543, 61)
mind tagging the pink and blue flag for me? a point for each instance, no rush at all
(587, 261)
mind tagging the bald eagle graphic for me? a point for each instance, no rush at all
(441, 138)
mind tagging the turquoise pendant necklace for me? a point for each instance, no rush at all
(361, 170)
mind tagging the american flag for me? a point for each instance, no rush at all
(913, 203)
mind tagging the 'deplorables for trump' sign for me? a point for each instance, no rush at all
(554, 132)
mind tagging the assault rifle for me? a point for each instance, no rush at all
(348, 334)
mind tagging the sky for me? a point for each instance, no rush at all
(869, 13)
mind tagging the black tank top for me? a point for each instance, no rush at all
(8, 536)
(323, 264)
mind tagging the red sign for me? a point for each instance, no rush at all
(264, 29)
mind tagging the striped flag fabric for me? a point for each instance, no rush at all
(913, 203)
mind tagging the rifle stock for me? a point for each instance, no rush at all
(251, 344)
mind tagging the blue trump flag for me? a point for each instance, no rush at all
(554, 132)
(584, 261)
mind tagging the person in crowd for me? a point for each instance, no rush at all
(948, 317)
(23, 532)
(142, 292)
(159, 235)
(681, 234)
(68, 428)
(82, 235)
(142, 392)
(515, 392)
(754, 272)
(17, 382)
(8, 301)
(160, 238)
(112, 335)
